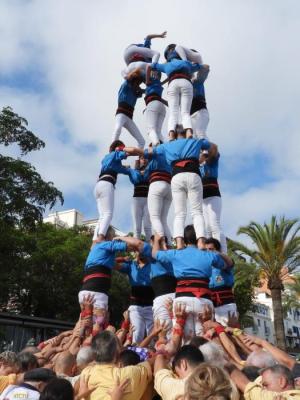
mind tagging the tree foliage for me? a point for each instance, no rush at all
(276, 245)
(24, 195)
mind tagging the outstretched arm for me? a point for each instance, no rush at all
(132, 243)
(133, 151)
(156, 244)
(156, 35)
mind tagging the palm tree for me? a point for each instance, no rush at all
(291, 296)
(276, 245)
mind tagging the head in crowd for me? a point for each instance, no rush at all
(65, 364)
(39, 377)
(212, 244)
(186, 359)
(84, 357)
(30, 349)
(106, 347)
(116, 144)
(198, 341)
(27, 361)
(213, 353)
(58, 389)
(260, 359)
(110, 234)
(8, 363)
(251, 372)
(189, 235)
(169, 52)
(210, 382)
(128, 357)
(277, 378)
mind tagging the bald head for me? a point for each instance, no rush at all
(65, 364)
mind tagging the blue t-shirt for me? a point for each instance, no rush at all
(157, 268)
(154, 87)
(128, 94)
(210, 170)
(198, 83)
(191, 262)
(179, 149)
(112, 163)
(104, 253)
(176, 65)
(221, 278)
(137, 276)
(159, 163)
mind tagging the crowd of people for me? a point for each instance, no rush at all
(180, 337)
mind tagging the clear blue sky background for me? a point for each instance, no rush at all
(60, 68)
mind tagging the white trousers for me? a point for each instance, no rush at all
(194, 307)
(187, 54)
(155, 114)
(140, 215)
(221, 313)
(104, 193)
(212, 207)
(159, 202)
(187, 185)
(200, 120)
(101, 299)
(141, 318)
(143, 51)
(160, 310)
(180, 96)
(122, 121)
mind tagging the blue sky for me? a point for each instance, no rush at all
(60, 68)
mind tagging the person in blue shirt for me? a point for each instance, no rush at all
(180, 88)
(221, 284)
(104, 191)
(140, 213)
(162, 279)
(97, 272)
(212, 201)
(199, 112)
(141, 299)
(128, 94)
(182, 155)
(138, 55)
(192, 268)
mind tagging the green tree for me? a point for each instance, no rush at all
(24, 195)
(275, 245)
(291, 295)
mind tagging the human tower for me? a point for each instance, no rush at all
(178, 169)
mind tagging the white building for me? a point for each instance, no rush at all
(263, 318)
(71, 218)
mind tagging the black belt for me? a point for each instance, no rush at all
(198, 103)
(185, 165)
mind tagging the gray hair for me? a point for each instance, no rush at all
(9, 358)
(213, 353)
(260, 359)
(281, 370)
(84, 356)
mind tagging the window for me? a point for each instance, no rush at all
(258, 322)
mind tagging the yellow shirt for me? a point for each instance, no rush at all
(254, 391)
(7, 380)
(168, 386)
(105, 377)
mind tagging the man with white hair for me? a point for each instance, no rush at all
(260, 359)
(84, 357)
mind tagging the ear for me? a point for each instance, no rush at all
(184, 365)
(282, 382)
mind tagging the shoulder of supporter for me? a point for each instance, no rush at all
(167, 385)
(255, 391)
(6, 380)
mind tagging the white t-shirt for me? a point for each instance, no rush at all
(26, 392)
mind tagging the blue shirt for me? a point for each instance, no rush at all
(198, 83)
(128, 94)
(147, 43)
(221, 278)
(112, 163)
(176, 65)
(191, 262)
(155, 87)
(137, 276)
(157, 268)
(104, 253)
(159, 163)
(210, 170)
(135, 176)
(180, 149)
